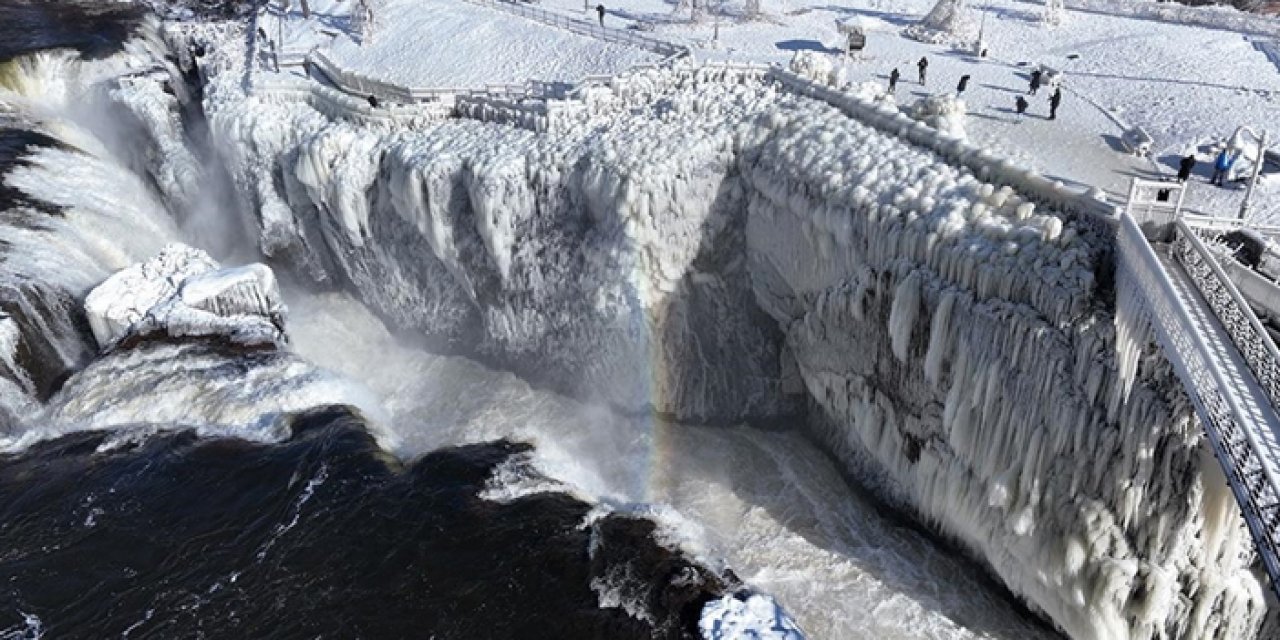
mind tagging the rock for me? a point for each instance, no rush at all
(182, 292)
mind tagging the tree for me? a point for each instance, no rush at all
(1055, 12)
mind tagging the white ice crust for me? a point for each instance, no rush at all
(182, 292)
(757, 616)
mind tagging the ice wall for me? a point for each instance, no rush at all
(709, 247)
(956, 346)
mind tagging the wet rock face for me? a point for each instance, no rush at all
(183, 293)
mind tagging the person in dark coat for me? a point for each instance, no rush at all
(1054, 101)
(893, 80)
(1035, 82)
(1185, 166)
(964, 84)
(600, 13)
(923, 66)
(1021, 104)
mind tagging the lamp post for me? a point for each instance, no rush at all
(1257, 167)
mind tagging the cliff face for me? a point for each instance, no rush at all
(720, 250)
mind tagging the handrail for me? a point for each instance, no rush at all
(1259, 351)
(1212, 222)
(1184, 348)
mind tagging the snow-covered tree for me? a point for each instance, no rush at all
(751, 8)
(1055, 12)
(695, 8)
(363, 19)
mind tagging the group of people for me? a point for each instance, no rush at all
(922, 67)
(1222, 164)
(1021, 104)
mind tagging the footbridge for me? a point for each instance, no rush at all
(1178, 293)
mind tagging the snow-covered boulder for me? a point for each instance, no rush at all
(819, 67)
(755, 616)
(945, 112)
(183, 292)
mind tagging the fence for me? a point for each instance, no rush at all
(668, 50)
(1247, 332)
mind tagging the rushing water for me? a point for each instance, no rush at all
(500, 511)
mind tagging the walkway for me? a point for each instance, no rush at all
(1184, 297)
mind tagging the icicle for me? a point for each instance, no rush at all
(902, 318)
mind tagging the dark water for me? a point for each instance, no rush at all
(94, 28)
(321, 536)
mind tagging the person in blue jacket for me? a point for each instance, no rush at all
(1222, 166)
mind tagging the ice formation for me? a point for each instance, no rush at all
(182, 292)
(748, 616)
(944, 112)
(949, 22)
(729, 247)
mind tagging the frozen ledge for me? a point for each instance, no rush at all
(182, 292)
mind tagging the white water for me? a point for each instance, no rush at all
(769, 504)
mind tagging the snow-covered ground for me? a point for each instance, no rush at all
(450, 43)
(1187, 86)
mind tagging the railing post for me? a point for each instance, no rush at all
(1253, 179)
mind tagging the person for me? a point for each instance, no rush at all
(1054, 101)
(1185, 166)
(964, 84)
(600, 13)
(1035, 82)
(1021, 103)
(373, 101)
(923, 66)
(893, 80)
(1222, 166)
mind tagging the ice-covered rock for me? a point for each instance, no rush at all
(746, 616)
(817, 66)
(182, 292)
(943, 111)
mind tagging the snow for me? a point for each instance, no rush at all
(752, 616)
(182, 292)
(1189, 86)
(447, 43)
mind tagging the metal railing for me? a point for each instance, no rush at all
(1141, 277)
(669, 50)
(1246, 330)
